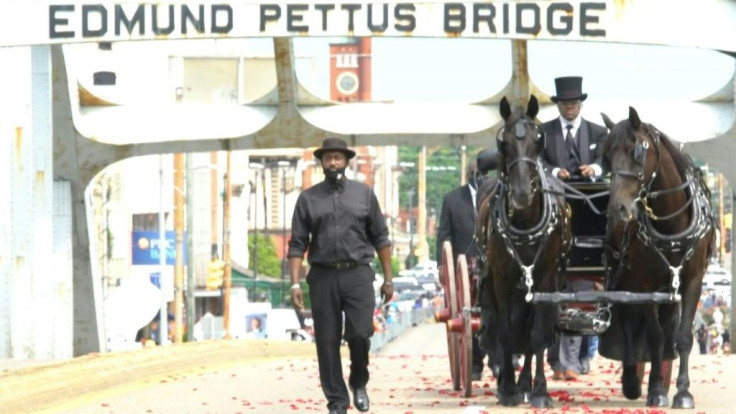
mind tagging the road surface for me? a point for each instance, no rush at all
(410, 375)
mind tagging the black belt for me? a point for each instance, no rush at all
(338, 265)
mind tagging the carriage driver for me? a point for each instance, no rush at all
(573, 151)
(574, 146)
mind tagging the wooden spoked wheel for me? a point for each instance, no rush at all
(448, 282)
(465, 338)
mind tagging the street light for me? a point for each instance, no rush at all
(410, 256)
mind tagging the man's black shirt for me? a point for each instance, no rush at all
(345, 224)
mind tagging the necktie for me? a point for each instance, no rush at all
(573, 155)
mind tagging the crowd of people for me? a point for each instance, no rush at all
(710, 323)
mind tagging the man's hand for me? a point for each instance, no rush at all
(387, 292)
(563, 174)
(587, 171)
(297, 299)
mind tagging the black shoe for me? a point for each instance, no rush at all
(338, 411)
(360, 399)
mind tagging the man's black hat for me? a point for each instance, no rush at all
(334, 144)
(487, 160)
(569, 88)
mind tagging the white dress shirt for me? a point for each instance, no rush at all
(574, 131)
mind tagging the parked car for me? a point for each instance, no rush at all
(404, 283)
(426, 274)
(715, 276)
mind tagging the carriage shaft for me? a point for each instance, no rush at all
(599, 297)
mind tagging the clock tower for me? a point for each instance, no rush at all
(350, 70)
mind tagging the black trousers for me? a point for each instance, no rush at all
(333, 293)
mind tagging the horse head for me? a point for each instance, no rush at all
(631, 154)
(520, 143)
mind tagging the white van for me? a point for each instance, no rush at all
(716, 276)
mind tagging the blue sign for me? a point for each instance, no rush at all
(156, 279)
(146, 249)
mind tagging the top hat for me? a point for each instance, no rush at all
(334, 144)
(569, 88)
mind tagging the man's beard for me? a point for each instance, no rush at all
(334, 176)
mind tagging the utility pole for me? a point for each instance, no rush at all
(421, 225)
(721, 227)
(213, 200)
(258, 170)
(190, 249)
(226, 247)
(179, 227)
(163, 324)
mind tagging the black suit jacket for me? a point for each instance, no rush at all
(590, 138)
(457, 222)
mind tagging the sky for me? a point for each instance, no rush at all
(472, 69)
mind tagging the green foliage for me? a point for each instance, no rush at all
(432, 242)
(395, 266)
(439, 183)
(269, 263)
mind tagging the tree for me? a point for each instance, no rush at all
(395, 266)
(442, 181)
(268, 260)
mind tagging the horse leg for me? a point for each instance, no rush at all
(525, 377)
(630, 385)
(508, 394)
(684, 344)
(540, 397)
(541, 337)
(656, 394)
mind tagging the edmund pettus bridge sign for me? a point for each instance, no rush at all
(697, 23)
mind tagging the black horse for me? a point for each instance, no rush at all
(660, 236)
(524, 230)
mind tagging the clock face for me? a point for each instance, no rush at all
(347, 83)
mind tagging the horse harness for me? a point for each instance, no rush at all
(537, 235)
(663, 244)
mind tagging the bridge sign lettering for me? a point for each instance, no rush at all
(66, 21)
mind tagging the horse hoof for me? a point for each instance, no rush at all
(630, 387)
(509, 400)
(683, 399)
(541, 401)
(657, 401)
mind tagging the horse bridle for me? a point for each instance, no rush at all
(520, 133)
(645, 192)
(539, 233)
(685, 241)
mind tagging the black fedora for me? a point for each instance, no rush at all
(334, 144)
(569, 88)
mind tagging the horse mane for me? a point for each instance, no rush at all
(683, 163)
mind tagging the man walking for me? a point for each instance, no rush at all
(339, 223)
